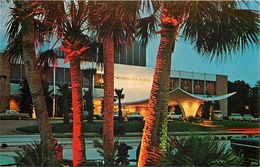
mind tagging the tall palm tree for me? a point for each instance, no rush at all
(22, 41)
(77, 47)
(214, 28)
(113, 23)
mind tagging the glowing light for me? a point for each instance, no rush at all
(13, 105)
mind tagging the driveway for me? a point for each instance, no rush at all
(7, 126)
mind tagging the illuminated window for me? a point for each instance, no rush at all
(186, 85)
(174, 83)
(99, 81)
(198, 86)
(210, 87)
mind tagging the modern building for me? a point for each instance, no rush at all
(135, 78)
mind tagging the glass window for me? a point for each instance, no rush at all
(130, 51)
(60, 75)
(142, 55)
(186, 85)
(198, 86)
(174, 83)
(136, 53)
(123, 55)
(99, 82)
(117, 56)
(67, 76)
(210, 88)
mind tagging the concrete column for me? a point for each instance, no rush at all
(189, 108)
(221, 89)
(4, 83)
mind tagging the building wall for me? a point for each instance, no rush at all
(221, 89)
(137, 82)
(4, 83)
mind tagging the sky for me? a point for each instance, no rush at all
(239, 66)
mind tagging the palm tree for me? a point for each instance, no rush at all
(64, 101)
(77, 47)
(119, 96)
(214, 28)
(22, 41)
(113, 23)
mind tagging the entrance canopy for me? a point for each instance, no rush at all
(180, 94)
(190, 103)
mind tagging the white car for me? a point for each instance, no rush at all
(249, 117)
(12, 114)
(236, 117)
(217, 115)
(174, 116)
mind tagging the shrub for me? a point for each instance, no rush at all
(200, 151)
(35, 154)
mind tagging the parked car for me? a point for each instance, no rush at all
(174, 116)
(235, 117)
(12, 114)
(217, 115)
(249, 117)
(257, 119)
(135, 116)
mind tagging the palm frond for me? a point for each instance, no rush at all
(200, 151)
(115, 19)
(47, 57)
(14, 49)
(147, 27)
(216, 28)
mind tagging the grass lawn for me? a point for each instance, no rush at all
(132, 126)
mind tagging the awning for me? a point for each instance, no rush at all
(180, 94)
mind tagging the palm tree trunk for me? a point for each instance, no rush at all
(34, 81)
(78, 133)
(155, 129)
(120, 115)
(108, 127)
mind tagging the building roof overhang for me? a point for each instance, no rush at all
(179, 94)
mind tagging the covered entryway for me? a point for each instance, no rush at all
(190, 103)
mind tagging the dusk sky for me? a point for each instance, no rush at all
(239, 66)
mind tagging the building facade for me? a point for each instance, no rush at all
(132, 75)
